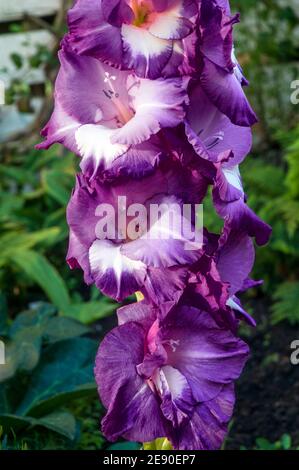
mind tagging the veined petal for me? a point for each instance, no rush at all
(91, 34)
(81, 211)
(178, 402)
(165, 243)
(157, 104)
(77, 257)
(173, 280)
(216, 34)
(82, 88)
(208, 426)
(230, 204)
(183, 59)
(126, 395)
(207, 355)
(117, 12)
(143, 52)
(211, 132)
(140, 312)
(114, 273)
(80, 98)
(173, 22)
(96, 148)
(60, 129)
(225, 91)
(235, 260)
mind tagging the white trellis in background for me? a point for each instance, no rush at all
(24, 44)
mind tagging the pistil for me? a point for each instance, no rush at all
(140, 11)
(123, 112)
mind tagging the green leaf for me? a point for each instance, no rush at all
(23, 354)
(286, 306)
(58, 185)
(61, 328)
(125, 446)
(17, 423)
(14, 242)
(89, 312)
(4, 405)
(66, 372)
(38, 268)
(27, 349)
(61, 422)
(9, 203)
(17, 60)
(3, 315)
(18, 174)
(26, 332)
(158, 444)
(34, 319)
(264, 444)
(286, 441)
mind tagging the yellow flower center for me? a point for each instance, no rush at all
(141, 11)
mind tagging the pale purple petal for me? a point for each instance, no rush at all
(146, 54)
(216, 34)
(208, 426)
(177, 399)
(164, 244)
(212, 133)
(91, 34)
(175, 21)
(230, 204)
(207, 355)
(157, 103)
(235, 304)
(225, 91)
(128, 398)
(115, 274)
(235, 260)
(141, 312)
(173, 280)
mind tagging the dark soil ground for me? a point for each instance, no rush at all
(268, 391)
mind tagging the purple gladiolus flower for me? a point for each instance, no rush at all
(230, 203)
(211, 132)
(151, 37)
(219, 275)
(221, 77)
(150, 96)
(171, 377)
(113, 130)
(118, 264)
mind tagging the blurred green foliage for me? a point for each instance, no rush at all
(34, 192)
(49, 359)
(284, 443)
(48, 364)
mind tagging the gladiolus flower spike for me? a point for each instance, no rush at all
(150, 97)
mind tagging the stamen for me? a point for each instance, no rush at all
(141, 11)
(174, 343)
(214, 140)
(124, 114)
